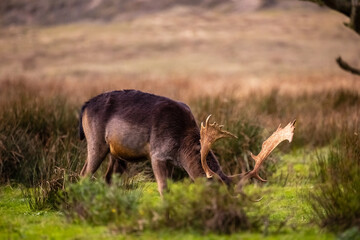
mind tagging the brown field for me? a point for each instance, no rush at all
(282, 58)
(183, 53)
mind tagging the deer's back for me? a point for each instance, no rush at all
(136, 124)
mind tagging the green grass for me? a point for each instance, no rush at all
(17, 221)
(336, 194)
(40, 151)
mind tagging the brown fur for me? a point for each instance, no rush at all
(135, 126)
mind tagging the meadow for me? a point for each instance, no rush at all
(251, 71)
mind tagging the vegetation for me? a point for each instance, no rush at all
(335, 199)
(99, 204)
(200, 206)
(17, 222)
(39, 146)
(44, 157)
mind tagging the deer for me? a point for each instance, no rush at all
(133, 126)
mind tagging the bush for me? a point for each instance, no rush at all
(202, 206)
(335, 199)
(98, 203)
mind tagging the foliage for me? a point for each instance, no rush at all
(38, 144)
(98, 203)
(17, 221)
(38, 138)
(335, 199)
(350, 234)
(201, 206)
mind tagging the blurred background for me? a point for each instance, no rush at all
(176, 48)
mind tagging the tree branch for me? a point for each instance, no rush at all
(345, 66)
(350, 8)
(355, 16)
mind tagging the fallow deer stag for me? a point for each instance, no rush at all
(133, 126)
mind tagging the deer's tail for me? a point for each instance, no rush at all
(81, 129)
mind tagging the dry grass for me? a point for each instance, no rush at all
(181, 54)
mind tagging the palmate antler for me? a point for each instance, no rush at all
(208, 135)
(281, 134)
(212, 132)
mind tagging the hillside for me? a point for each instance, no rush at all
(45, 12)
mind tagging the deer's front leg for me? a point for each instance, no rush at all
(160, 172)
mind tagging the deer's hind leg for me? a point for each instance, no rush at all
(95, 156)
(97, 148)
(116, 165)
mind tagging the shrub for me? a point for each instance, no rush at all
(98, 203)
(335, 199)
(202, 206)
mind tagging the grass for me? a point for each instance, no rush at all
(100, 204)
(335, 197)
(50, 159)
(17, 221)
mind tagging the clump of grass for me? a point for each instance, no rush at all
(202, 206)
(270, 103)
(36, 135)
(38, 144)
(100, 204)
(45, 195)
(319, 115)
(343, 98)
(335, 199)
